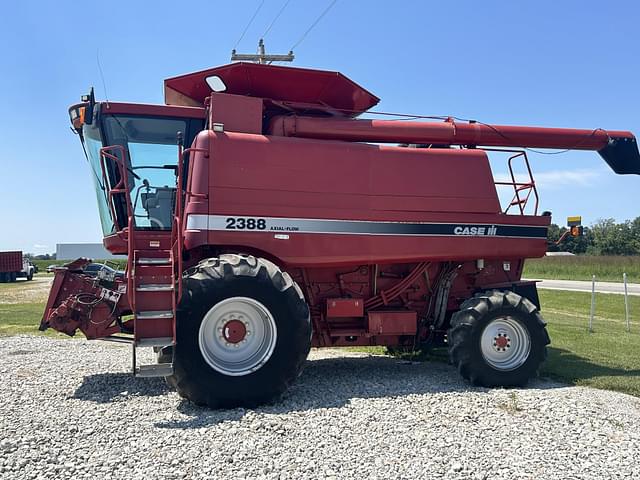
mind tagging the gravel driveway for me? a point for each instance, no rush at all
(69, 410)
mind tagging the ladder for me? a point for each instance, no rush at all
(153, 300)
(154, 274)
(156, 287)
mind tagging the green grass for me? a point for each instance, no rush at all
(20, 318)
(12, 285)
(582, 267)
(43, 264)
(607, 358)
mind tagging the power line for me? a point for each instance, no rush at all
(249, 24)
(304, 35)
(276, 18)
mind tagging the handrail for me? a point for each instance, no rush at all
(518, 187)
(177, 237)
(176, 254)
(189, 151)
(131, 291)
(121, 188)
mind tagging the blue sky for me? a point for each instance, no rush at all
(549, 63)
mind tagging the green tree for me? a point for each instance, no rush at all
(604, 237)
(611, 238)
(635, 236)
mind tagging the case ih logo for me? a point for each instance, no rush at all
(467, 230)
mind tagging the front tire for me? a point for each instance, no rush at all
(243, 333)
(498, 338)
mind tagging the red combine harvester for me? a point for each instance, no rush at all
(286, 224)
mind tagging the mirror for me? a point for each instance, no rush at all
(216, 84)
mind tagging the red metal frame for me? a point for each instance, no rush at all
(118, 108)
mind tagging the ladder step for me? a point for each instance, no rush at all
(153, 261)
(155, 342)
(155, 370)
(155, 287)
(154, 314)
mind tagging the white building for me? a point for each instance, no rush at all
(94, 251)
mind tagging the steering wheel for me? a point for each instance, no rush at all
(157, 222)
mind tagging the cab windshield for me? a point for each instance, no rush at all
(92, 145)
(151, 150)
(152, 159)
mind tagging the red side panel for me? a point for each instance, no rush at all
(237, 113)
(273, 179)
(254, 174)
(10, 261)
(392, 323)
(345, 307)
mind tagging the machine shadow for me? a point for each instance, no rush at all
(112, 387)
(334, 382)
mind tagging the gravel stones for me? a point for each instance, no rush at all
(70, 409)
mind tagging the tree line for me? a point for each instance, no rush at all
(604, 237)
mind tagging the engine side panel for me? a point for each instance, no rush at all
(283, 196)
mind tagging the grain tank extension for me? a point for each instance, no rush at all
(261, 216)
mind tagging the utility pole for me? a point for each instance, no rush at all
(261, 56)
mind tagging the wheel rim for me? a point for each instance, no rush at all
(237, 336)
(505, 343)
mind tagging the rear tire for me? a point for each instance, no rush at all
(241, 369)
(498, 338)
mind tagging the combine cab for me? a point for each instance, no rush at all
(261, 217)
